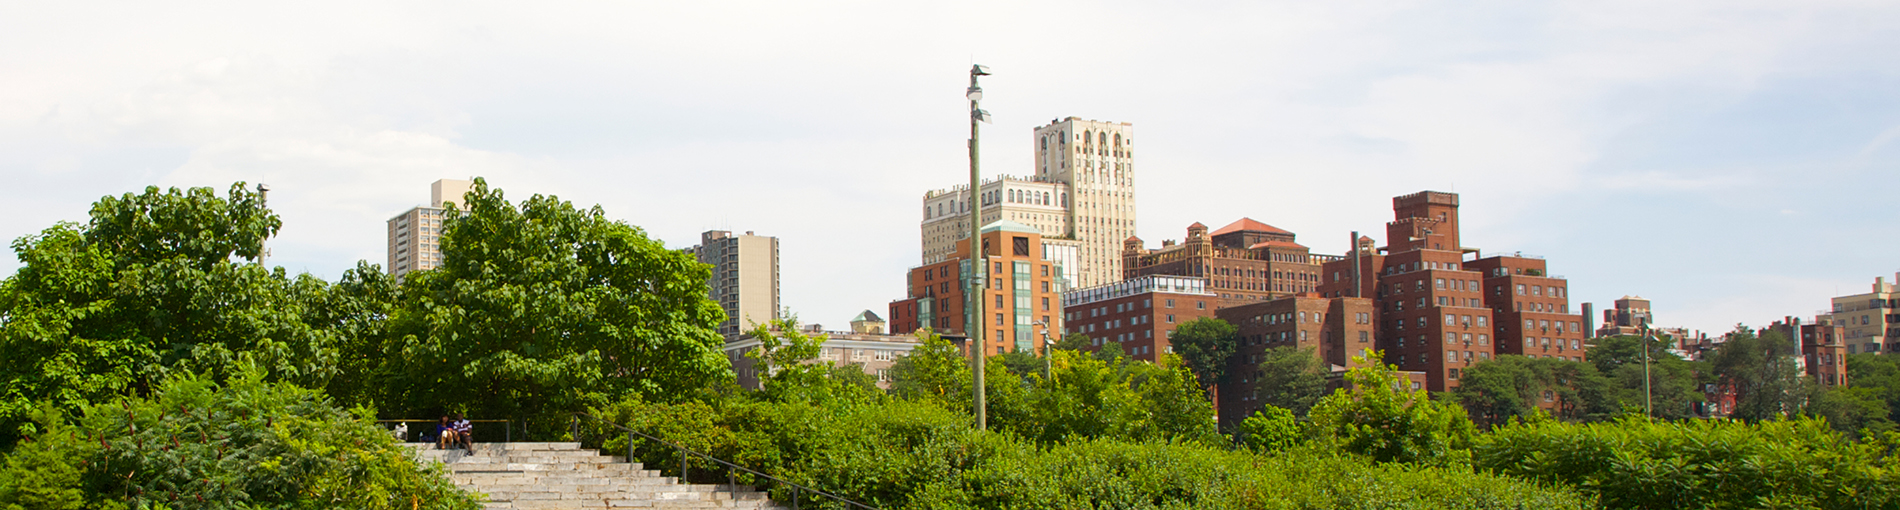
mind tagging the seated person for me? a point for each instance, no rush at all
(401, 432)
(464, 432)
(445, 433)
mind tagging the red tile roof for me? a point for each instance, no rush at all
(1248, 224)
(1276, 244)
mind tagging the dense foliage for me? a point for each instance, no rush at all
(1381, 417)
(196, 443)
(1634, 463)
(908, 455)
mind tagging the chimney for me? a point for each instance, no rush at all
(1589, 319)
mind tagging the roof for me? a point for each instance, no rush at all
(1276, 244)
(1010, 226)
(867, 316)
(1249, 225)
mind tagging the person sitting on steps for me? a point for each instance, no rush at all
(464, 432)
(445, 433)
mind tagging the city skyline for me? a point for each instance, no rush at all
(1730, 163)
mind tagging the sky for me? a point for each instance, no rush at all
(1733, 161)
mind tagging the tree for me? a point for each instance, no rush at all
(787, 361)
(935, 372)
(1675, 384)
(1073, 342)
(1879, 373)
(544, 308)
(1762, 372)
(1270, 429)
(1206, 344)
(1383, 418)
(1510, 386)
(1292, 378)
(149, 286)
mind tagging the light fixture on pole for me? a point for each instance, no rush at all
(979, 260)
(1048, 371)
(263, 202)
(1648, 411)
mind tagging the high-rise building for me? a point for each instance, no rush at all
(1081, 200)
(1443, 307)
(1244, 262)
(1337, 329)
(1872, 320)
(1630, 316)
(744, 278)
(1020, 307)
(415, 235)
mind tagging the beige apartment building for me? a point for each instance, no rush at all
(744, 278)
(1081, 198)
(415, 235)
(1870, 322)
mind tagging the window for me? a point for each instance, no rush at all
(1362, 337)
(1450, 319)
(1170, 318)
(999, 322)
(1480, 320)
(999, 301)
(1200, 305)
(1520, 289)
(1423, 321)
(1441, 284)
(1170, 305)
(1045, 307)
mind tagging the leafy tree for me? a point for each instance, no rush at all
(1270, 429)
(1675, 383)
(1859, 412)
(1292, 378)
(1205, 344)
(1021, 363)
(1383, 418)
(1497, 390)
(1762, 371)
(788, 360)
(147, 287)
(934, 372)
(1880, 374)
(1073, 342)
(541, 308)
(246, 443)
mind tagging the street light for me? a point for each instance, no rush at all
(1648, 412)
(979, 262)
(263, 202)
(1048, 373)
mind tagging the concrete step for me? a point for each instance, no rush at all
(564, 475)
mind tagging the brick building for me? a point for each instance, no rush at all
(1823, 348)
(1441, 306)
(1336, 328)
(1138, 314)
(1020, 298)
(1244, 262)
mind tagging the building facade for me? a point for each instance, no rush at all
(1871, 321)
(1021, 294)
(1137, 315)
(1440, 306)
(874, 353)
(1244, 262)
(744, 279)
(1337, 329)
(1081, 199)
(415, 235)
(1823, 348)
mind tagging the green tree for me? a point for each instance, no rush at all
(1383, 418)
(1073, 342)
(787, 360)
(1762, 372)
(1675, 383)
(1270, 429)
(544, 308)
(1292, 378)
(147, 287)
(1880, 374)
(1206, 344)
(1859, 412)
(1497, 390)
(935, 372)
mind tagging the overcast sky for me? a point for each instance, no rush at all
(1733, 161)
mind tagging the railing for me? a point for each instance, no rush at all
(428, 427)
(731, 476)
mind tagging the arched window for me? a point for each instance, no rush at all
(1118, 141)
(1088, 139)
(1104, 138)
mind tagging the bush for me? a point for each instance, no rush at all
(905, 455)
(245, 444)
(1634, 463)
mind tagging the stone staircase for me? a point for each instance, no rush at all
(563, 475)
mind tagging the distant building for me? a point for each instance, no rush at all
(1244, 262)
(1823, 348)
(1138, 315)
(868, 323)
(1337, 329)
(1871, 320)
(1443, 306)
(745, 279)
(415, 235)
(1081, 200)
(1020, 295)
(1629, 317)
(873, 353)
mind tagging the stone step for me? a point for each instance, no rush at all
(563, 475)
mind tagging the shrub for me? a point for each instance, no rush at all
(244, 444)
(1635, 463)
(906, 455)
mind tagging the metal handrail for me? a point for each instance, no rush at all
(507, 425)
(731, 482)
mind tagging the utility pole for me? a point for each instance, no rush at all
(263, 202)
(979, 260)
(1648, 411)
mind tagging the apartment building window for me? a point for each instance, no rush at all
(1170, 304)
(1200, 305)
(1441, 284)
(1520, 289)
(1363, 337)
(1045, 307)
(1170, 318)
(999, 322)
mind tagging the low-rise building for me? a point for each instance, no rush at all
(1871, 321)
(875, 353)
(1138, 315)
